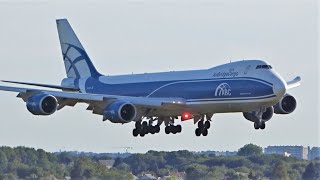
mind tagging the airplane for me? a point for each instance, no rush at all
(251, 87)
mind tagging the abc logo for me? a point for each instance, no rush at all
(223, 90)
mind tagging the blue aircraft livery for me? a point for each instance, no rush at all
(251, 87)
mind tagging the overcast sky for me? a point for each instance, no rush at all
(122, 37)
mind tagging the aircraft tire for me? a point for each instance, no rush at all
(262, 125)
(207, 124)
(198, 132)
(256, 126)
(205, 132)
(157, 127)
(167, 130)
(179, 128)
(174, 130)
(135, 132)
(152, 129)
(142, 133)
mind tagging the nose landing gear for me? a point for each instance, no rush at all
(259, 125)
(258, 122)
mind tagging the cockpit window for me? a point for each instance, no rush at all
(264, 67)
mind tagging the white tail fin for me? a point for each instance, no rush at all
(76, 60)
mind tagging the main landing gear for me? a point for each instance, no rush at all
(143, 128)
(203, 126)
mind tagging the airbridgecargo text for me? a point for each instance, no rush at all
(231, 73)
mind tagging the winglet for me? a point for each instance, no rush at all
(294, 83)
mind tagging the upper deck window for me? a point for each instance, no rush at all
(264, 67)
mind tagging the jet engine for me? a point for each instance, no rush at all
(120, 112)
(286, 105)
(42, 104)
(266, 116)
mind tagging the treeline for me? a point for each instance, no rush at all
(28, 163)
(250, 163)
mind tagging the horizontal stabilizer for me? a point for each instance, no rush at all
(43, 85)
(294, 83)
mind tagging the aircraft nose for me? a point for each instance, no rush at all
(279, 87)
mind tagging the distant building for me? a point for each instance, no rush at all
(107, 163)
(314, 153)
(299, 152)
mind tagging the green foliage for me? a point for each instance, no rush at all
(250, 150)
(3, 161)
(29, 163)
(280, 171)
(312, 171)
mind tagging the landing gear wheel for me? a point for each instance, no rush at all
(207, 124)
(157, 128)
(263, 125)
(145, 128)
(167, 130)
(179, 128)
(198, 132)
(205, 132)
(174, 129)
(142, 133)
(256, 126)
(152, 129)
(135, 132)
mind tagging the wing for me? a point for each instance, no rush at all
(294, 83)
(42, 85)
(97, 102)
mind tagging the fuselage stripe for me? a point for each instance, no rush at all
(209, 80)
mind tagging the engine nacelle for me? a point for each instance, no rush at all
(266, 116)
(286, 105)
(42, 104)
(120, 112)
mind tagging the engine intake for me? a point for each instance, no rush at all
(42, 104)
(286, 105)
(120, 112)
(266, 116)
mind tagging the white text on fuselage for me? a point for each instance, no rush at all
(230, 73)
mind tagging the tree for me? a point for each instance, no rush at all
(196, 171)
(3, 161)
(312, 171)
(280, 171)
(250, 150)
